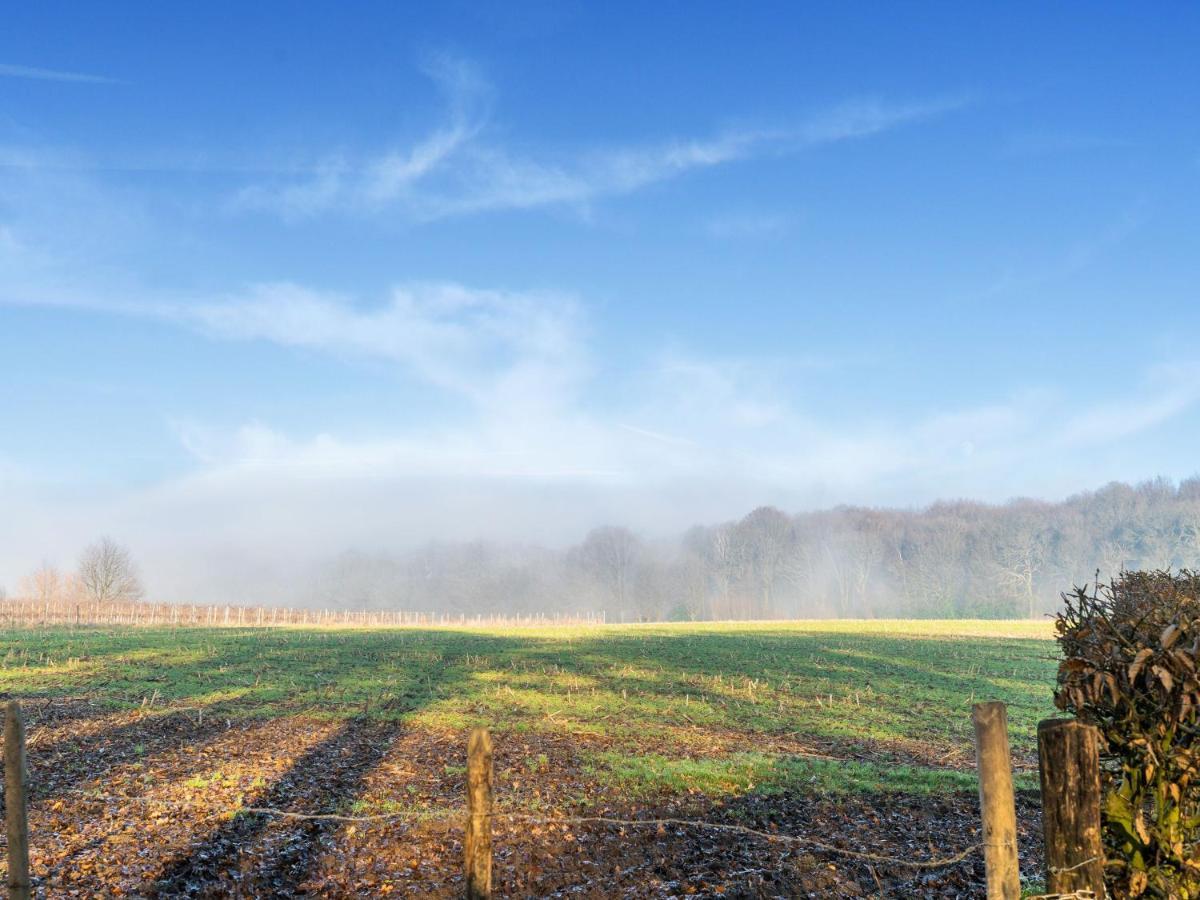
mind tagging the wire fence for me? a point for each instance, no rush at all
(26, 612)
(481, 812)
(451, 813)
(939, 861)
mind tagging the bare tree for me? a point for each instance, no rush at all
(767, 534)
(44, 585)
(1019, 557)
(936, 555)
(1189, 527)
(724, 561)
(690, 581)
(1114, 554)
(851, 550)
(107, 572)
(611, 556)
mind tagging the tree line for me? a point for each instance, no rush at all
(951, 559)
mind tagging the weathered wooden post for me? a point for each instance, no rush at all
(996, 799)
(478, 844)
(15, 801)
(1069, 762)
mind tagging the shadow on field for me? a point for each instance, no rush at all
(208, 679)
(64, 766)
(264, 855)
(51, 712)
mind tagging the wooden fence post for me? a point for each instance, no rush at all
(478, 844)
(15, 800)
(1069, 762)
(996, 799)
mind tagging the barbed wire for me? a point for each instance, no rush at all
(937, 862)
(1055, 870)
(1080, 894)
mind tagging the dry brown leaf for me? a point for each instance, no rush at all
(1139, 662)
(1164, 676)
(1169, 635)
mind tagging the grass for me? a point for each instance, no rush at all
(714, 707)
(645, 775)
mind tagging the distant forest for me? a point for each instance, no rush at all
(957, 558)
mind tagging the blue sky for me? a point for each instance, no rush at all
(281, 279)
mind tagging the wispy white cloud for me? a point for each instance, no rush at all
(525, 365)
(490, 178)
(518, 349)
(493, 179)
(510, 354)
(1167, 391)
(721, 392)
(723, 456)
(456, 169)
(295, 200)
(868, 116)
(388, 178)
(30, 72)
(467, 94)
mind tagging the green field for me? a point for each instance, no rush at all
(583, 718)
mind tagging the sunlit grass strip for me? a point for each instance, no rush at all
(740, 773)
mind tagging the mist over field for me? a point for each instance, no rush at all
(950, 559)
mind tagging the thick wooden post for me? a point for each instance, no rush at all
(478, 845)
(996, 799)
(15, 802)
(1069, 760)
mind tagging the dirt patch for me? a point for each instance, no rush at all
(599, 860)
(111, 830)
(155, 815)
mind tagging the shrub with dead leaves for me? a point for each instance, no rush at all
(1130, 667)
